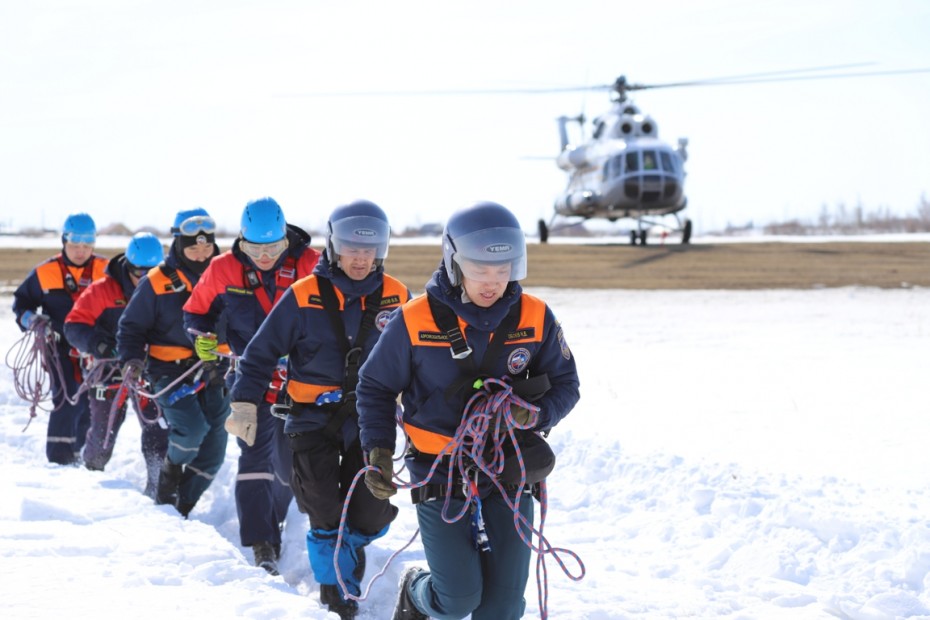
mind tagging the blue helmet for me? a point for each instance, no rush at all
(484, 234)
(79, 228)
(193, 221)
(263, 222)
(144, 250)
(359, 224)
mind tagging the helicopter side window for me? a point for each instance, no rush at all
(616, 167)
(649, 160)
(599, 129)
(667, 164)
(632, 161)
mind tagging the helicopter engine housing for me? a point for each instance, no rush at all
(573, 158)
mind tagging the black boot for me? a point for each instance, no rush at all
(329, 596)
(169, 478)
(265, 557)
(405, 609)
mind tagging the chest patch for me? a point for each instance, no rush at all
(518, 360)
(382, 319)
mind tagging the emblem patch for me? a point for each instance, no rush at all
(566, 352)
(382, 319)
(518, 360)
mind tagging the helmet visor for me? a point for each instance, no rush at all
(487, 254)
(82, 238)
(360, 232)
(194, 225)
(257, 250)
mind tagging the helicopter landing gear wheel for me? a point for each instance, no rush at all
(543, 232)
(686, 232)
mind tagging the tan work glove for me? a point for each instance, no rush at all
(243, 421)
(379, 482)
(521, 415)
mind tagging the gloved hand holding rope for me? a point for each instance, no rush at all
(491, 416)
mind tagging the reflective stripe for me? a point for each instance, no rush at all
(428, 442)
(307, 392)
(167, 353)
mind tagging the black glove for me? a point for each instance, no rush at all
(105, 349)
(132, 370)
(379, 482)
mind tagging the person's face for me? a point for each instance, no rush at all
(264, 255)
(485, 284)
(199, 252)
(78, 253)
(357, 263)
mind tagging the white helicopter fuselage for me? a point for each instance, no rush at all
(621, 178)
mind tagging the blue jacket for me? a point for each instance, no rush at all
(411, 359)
(153, 321)
(299, 327)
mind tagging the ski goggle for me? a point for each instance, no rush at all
(137, 272)
(196, 224)
(80, 238)
(257, 250)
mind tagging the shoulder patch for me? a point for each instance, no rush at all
(566, 352)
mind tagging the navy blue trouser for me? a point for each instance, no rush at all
(462, 580)
(263, 491)
(154, 434)
(67, 424)
(196, 436)
(323, 472)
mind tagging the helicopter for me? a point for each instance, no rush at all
(625, 171)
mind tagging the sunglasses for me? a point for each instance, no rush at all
(196, 224)
(257, 250)
(137, 272)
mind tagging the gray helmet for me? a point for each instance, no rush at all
(483, 234)
(359, 224)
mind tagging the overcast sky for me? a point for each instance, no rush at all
(132, 110)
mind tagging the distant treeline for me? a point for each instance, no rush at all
(858, 220)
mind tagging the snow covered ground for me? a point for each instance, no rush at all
(737, 455)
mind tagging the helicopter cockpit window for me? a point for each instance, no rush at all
(667, 164)
(632, 161)
(649, 160)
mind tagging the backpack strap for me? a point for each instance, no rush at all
(177, 284)
(73, 287)
(352, 355)
(283, 278)
(448, 323)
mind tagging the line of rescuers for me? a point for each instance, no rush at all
(304, 356)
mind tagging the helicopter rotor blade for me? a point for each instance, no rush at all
(778, 76)
(621, 86)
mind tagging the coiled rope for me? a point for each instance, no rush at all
(478, 446)
(34, 359)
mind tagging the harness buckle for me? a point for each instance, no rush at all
(101, 393)
(280, 411)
